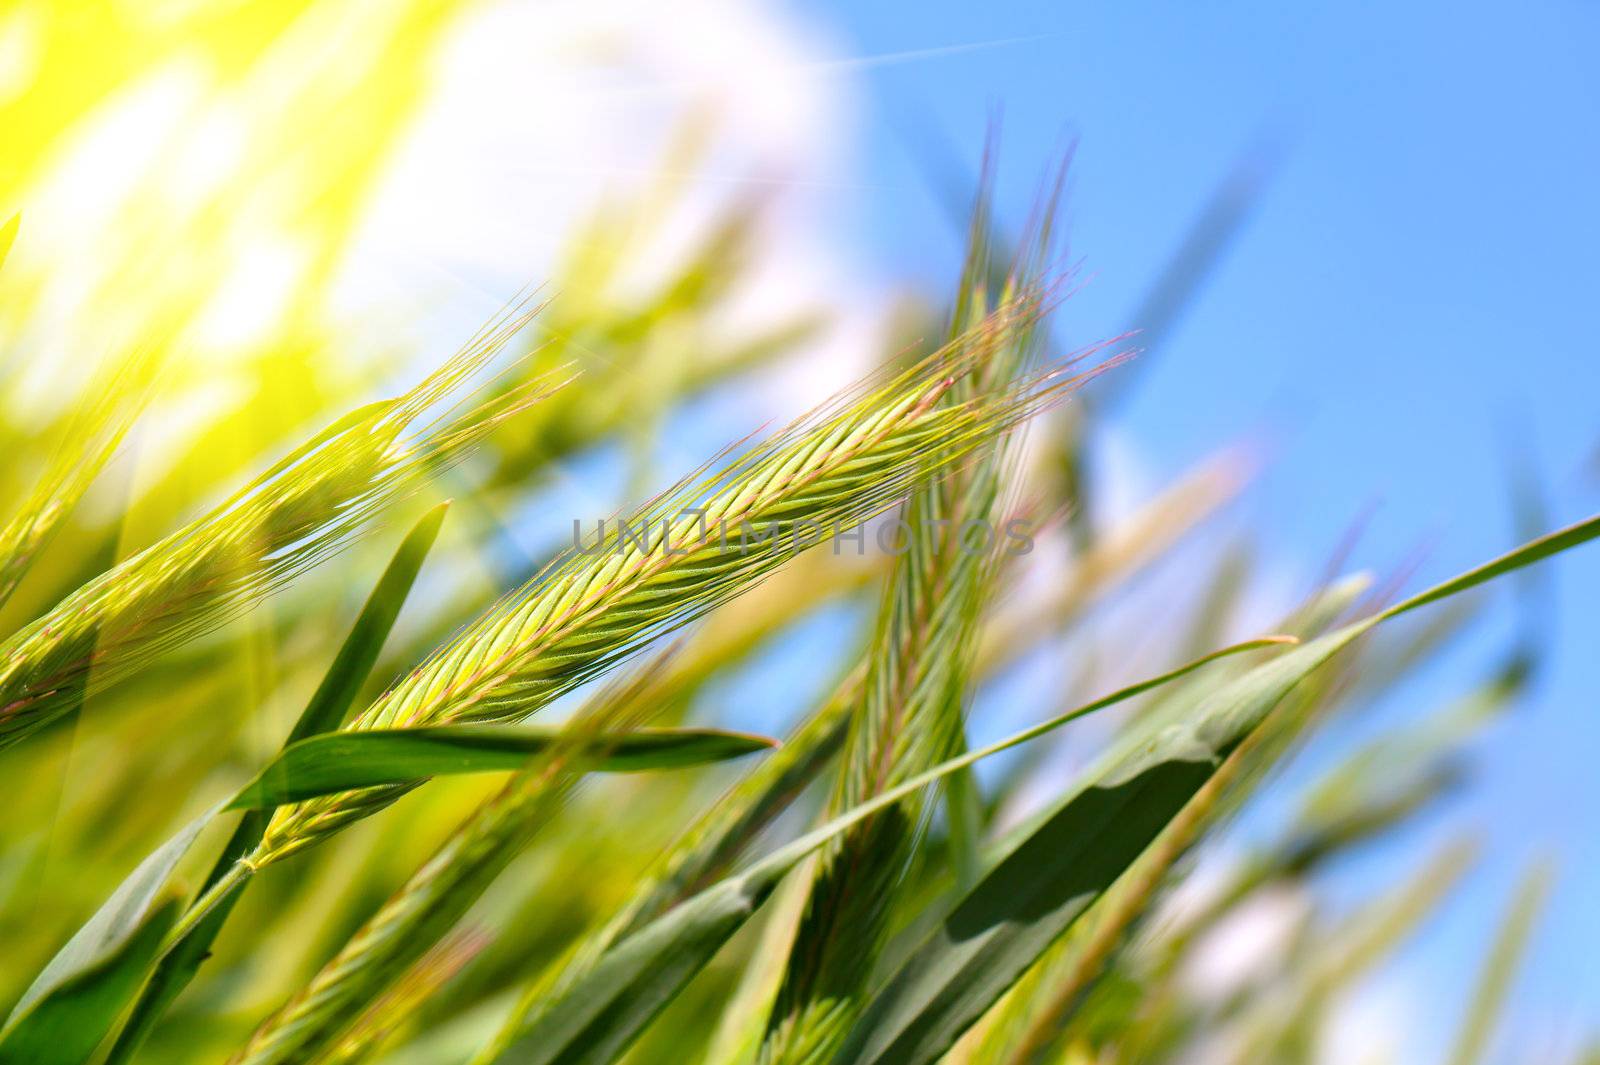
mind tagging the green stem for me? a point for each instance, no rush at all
(225, 885)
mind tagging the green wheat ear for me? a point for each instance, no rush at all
(918, 673)
(843, 463)
(832, 470)
(306, 507)
(88, 441)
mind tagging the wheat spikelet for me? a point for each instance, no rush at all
(391, 1013)
(307, 506)
(89, 439)
(911, 712)
(593, 607)
(895, 438)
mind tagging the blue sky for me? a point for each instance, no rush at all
(1410, 301)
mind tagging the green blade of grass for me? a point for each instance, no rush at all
(326, 710)
(1097, 831)
(353, 664)
(346, 761)
(88, 979)
(1500, 968)
(64, 1025)
(1371, 796)
(602, 1013)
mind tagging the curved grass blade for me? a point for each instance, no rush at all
(346, 761)
(1500, 968)
(331, 702)
(1095, 832)
(601, 1014)
(326, 710)
(705, 851)
(1071, 974)
(89, 979)
(65, 1025)
(1057, 984)
(1374, 790)
(1364, 796)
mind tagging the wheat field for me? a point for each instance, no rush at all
(315, 753)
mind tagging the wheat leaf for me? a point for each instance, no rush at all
(359, 653)
(600, 1014)
(1499, 968)
(99, 958)
(63, 1026)
(1094, 833)
(345, 761)
(325, 710)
